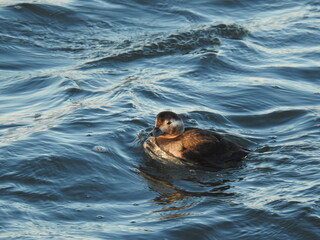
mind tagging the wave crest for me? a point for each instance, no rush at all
(180, 42)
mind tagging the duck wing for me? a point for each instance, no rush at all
(207, 148)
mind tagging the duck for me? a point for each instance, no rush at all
(171, 142)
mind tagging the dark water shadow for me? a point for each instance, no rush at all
(180, 188)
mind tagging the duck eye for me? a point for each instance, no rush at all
(169, 123)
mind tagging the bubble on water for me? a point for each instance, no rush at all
(17, 7)
(99, 149)
(192, 121)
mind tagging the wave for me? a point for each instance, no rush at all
(180, 42)
(43, 13)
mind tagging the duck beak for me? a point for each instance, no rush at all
(156, 132)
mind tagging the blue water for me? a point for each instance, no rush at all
(82, 81)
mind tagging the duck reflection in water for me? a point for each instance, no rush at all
(179, 187)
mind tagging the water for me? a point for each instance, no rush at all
(81, 83)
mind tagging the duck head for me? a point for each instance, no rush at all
(168, 125)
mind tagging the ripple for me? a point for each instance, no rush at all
(275, 118)
(82, 75)
(180, 42)
(46, 13)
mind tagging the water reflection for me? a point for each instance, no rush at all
(179, 188)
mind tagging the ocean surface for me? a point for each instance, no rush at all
(82, 81)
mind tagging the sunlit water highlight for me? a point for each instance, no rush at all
(82, 81)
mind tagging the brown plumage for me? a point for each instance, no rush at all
(191, 145)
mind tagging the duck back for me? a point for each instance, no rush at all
(204, 148)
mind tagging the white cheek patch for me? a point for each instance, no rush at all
(176, 123)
